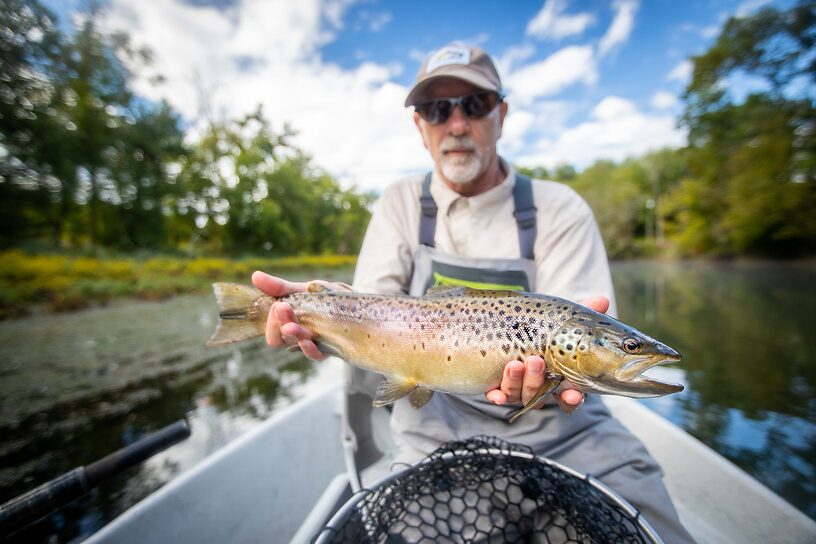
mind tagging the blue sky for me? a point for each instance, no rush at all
(586, 79)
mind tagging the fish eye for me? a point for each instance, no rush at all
(632, 345)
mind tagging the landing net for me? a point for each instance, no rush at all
(487, 490)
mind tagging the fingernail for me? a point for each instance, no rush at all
(535, 366)
(516, 373)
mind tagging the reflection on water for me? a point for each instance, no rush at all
(749, 360)
(77, 386)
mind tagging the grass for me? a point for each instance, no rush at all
(61, 282)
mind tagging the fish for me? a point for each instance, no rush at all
(458, 340)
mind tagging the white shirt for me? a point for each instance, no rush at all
(569, 253)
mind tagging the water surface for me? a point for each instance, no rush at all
(76, 387)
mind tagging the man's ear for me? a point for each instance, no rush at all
(421, 128)
(503, 107)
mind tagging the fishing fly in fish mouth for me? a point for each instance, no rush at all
(458, 340)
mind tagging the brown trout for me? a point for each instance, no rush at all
(458, 340)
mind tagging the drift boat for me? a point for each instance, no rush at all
(282, 482)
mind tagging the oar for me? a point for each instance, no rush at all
(40, 501)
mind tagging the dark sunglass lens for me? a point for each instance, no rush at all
(479, 104)
(438, 111)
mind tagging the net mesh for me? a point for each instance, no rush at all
(484, 490)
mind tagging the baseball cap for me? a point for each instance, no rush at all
(465, 62)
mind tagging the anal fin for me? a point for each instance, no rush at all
(551, 381)
(392, 389)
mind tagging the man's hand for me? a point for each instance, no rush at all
(520, 381)
(282, 326)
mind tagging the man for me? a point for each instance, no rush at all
(473, 221)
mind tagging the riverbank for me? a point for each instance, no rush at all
(34, 283)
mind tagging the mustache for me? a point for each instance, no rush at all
(457, 142)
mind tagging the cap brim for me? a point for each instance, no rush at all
(456, 72)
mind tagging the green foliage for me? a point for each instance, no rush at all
(87, 163)
(753, 175)
(746, 184)
(67, 282)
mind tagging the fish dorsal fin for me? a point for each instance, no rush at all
(321, 286)
(462, 291)
(392, 389)
(446, 291)
(420, 396)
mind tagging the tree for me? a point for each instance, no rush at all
(753, 163)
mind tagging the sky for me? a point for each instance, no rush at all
(585, 80)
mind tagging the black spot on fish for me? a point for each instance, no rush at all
(483, 352)
(448, 306)
(423, 345)
(506, 348)
(517, 308)
(553, 342)
(583, 348)
(561, 351)
(604, 323)
(449, 357)
(490, 336)
(538, 305)
(569, 347)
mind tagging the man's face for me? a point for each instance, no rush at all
(462, 148)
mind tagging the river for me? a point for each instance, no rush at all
(78, 386)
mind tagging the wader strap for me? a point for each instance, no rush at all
(427, 221)
(525, 215)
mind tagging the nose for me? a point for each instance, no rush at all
(458, 124)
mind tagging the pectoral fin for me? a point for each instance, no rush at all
(393, 389)
(420, 396)
(551, 381)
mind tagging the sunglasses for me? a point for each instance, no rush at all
(474, 106)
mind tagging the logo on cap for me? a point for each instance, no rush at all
(448, 55)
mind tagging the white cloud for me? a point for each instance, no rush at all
(706, 32)
(351, 121)
(513, 56)
(563, 68)
(621, 27)
(544, 119)
(749, 7)
(681, 72)
(616, 130)
(378, 21)
(552, 23)
(663, 100)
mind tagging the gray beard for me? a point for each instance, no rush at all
(461, 170)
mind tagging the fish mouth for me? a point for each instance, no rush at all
(641, 385)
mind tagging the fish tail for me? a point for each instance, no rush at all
(240, 317)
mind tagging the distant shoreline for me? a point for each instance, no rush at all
(36, 283)
(43, 283)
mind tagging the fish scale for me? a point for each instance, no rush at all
(458, 340)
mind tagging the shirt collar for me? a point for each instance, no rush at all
(445, 197)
